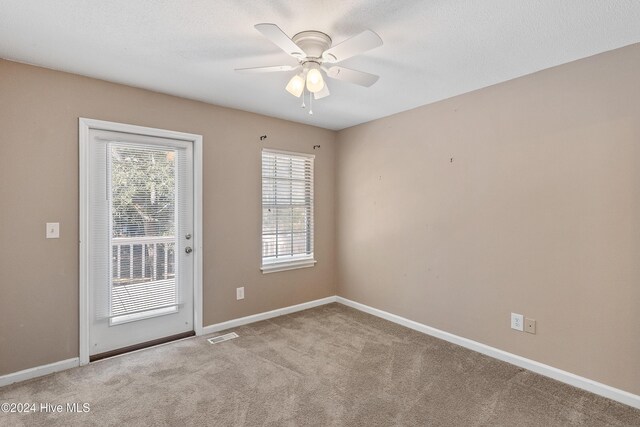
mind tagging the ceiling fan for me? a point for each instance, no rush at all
(315, 55)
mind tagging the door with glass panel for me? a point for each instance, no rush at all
(140, 225)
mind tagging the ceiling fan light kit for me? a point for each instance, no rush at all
(313, 49)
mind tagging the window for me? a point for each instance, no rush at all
(287, 211)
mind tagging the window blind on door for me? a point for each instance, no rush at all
(143, 232)
(287, 208)
(137, 202)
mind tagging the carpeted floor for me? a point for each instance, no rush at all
(328, 366)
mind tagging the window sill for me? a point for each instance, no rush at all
(287, 265)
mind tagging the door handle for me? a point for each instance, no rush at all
(188, 249)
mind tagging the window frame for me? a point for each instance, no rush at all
(289, 262)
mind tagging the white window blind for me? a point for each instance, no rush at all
(143, 235)
(135, 200)
(287, 210)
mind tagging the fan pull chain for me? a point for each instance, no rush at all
(303, 104)
(310, 103)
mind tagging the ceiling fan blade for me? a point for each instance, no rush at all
(352, 76)
(270, 69)
(280, 39)
(363, 42)
(323, 93)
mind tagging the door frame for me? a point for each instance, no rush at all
(85, 125)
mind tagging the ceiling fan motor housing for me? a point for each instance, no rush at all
(313, 43)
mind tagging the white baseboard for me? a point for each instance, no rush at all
(266, 315)
(39, 371)
(537, 367)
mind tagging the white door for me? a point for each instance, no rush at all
(140, 227)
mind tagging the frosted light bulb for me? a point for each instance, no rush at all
(315, 82)
(295, 86)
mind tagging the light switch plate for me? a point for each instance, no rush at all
(240, 293)
(53, 230)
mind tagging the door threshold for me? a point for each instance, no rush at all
(140, 346)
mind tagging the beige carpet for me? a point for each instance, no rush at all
(328, 366)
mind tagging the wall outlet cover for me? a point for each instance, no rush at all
(240, 293)
(517, 322)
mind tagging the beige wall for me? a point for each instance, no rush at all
(39, 112)
(538, 213)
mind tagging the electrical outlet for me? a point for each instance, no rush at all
(517, 322)
(240, 293)
(530, 325)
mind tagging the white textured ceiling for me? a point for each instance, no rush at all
(433, 49)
